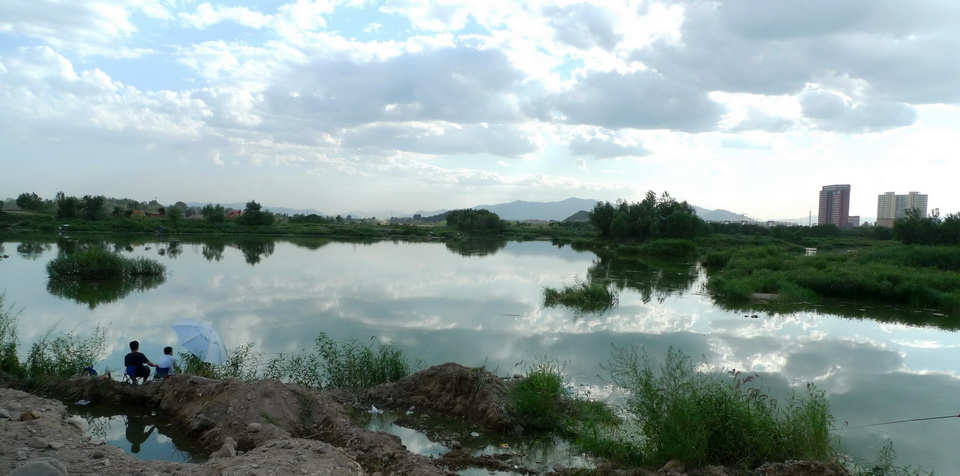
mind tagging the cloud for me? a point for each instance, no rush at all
(583, 26)
(639, 100)
(605, 148)
(830, 110)
(440, 139)
(894, 50)
(207, 15)
(88, 28)
(457, 85)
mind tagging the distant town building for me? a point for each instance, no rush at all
(891, 206)
(853, 221)
(834, 206)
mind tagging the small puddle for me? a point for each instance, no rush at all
(140, 433)
(538, 454)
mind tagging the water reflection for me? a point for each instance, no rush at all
(657, 279)
(474, 246)
(94, 293)
(140, 433)
(32, 250)
(875, 362)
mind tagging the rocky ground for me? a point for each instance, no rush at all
(267, 428)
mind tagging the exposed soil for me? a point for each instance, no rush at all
(268, 427)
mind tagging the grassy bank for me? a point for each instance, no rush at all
(916, 276)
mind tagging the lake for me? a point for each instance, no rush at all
(481, 303)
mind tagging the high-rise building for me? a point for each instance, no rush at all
(834, 205)
(891, 206)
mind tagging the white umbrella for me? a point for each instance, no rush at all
(201, 340)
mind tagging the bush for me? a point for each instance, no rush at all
(702, 419)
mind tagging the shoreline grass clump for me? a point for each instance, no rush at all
(348, 364)
(703, 419)
(9, 361)
(56, 355)
(898, 275)
(543, 402)
(96, 262)
(582, 296)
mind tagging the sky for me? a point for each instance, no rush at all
(404, 106)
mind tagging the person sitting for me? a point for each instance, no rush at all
(136, 364)
(165, 365)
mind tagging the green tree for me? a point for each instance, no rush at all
(652, 218)
(174, 217)
(67, 207)
(30, 201)
(475, 220)
(254, 215)
(214, 213)
(93, 206)
(915, 229)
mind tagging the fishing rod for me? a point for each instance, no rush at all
(905, 421)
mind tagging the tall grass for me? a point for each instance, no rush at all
(543, 402)
(590, 297)
(57, 355)
(883, 275)
(348, 364)
(9, 361)
(703, 419)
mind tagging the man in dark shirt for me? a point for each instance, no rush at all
(135, 363)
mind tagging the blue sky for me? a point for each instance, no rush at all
(397, 107)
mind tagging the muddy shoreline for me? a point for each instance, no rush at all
(268, 427)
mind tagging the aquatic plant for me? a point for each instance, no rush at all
(590, 297)
(701, 419)
(97, 262)
(902, 277)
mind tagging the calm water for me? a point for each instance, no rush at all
(481, 304)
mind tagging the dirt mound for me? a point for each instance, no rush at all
(452, 390)
(257, 414)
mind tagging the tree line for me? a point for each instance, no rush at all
(99, 207)
(651, 218)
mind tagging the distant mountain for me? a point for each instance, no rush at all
(719, 215)
(582, 215)
(278, 210)
(521, 210)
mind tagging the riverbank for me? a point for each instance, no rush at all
(268, 427)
